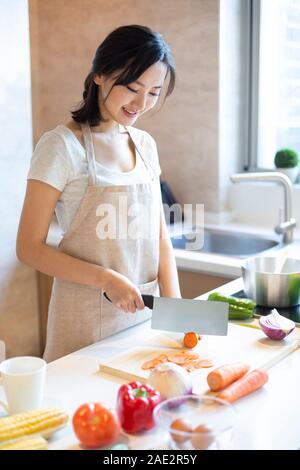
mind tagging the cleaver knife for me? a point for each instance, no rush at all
(184, 315)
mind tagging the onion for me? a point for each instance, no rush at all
(275, 326)
(170, 380)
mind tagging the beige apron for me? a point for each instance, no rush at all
(80, 315)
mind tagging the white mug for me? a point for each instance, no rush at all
(23, 379)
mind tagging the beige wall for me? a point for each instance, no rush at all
(64, 37)
(19, 323)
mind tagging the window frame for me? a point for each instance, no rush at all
(253, 55)
(252, 31)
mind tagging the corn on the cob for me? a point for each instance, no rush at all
(25, 443)
(44, 422)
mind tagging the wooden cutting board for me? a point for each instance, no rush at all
(241, 344)
(127, 365)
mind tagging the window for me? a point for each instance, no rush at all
(275, 80)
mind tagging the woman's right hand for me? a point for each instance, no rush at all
(122, 292)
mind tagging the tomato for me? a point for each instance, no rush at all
(95, 425)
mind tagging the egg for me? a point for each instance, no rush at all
(180, 424)
(202, 437)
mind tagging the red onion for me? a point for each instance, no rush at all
(275, 326)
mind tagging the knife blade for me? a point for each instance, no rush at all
(183, 315)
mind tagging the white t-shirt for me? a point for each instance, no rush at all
(59, 160)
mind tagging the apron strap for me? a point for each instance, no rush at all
(146, 163)
(90, 153)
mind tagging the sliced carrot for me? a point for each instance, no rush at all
(190, 339)
(244, 386)
(191, 357)
(155, 361)
(150, 364)
(188, 361)
(177, 358)
(203, 363)
(225, 375)
(147, 366)
(162, 358)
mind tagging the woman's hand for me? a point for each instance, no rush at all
(122, 292)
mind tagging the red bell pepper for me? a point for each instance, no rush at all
(135, 405)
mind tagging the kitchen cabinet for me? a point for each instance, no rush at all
(193, 284)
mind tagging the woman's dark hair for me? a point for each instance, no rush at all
(130, 49)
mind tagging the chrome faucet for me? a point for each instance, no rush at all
(286, 226)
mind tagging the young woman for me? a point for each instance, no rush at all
(101, 177)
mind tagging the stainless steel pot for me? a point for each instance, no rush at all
(267, 286)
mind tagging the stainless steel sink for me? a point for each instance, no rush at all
(234, 244)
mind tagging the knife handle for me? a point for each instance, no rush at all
(148, 300)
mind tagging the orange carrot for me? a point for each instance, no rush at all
(162, 358)
(219, 378)
(203, 363)
(177, 359)
(190, 339)
(244, 386)
(191, 357)
(150, 364)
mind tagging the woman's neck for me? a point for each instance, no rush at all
(108, 129)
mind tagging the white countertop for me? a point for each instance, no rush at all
(267, 419)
